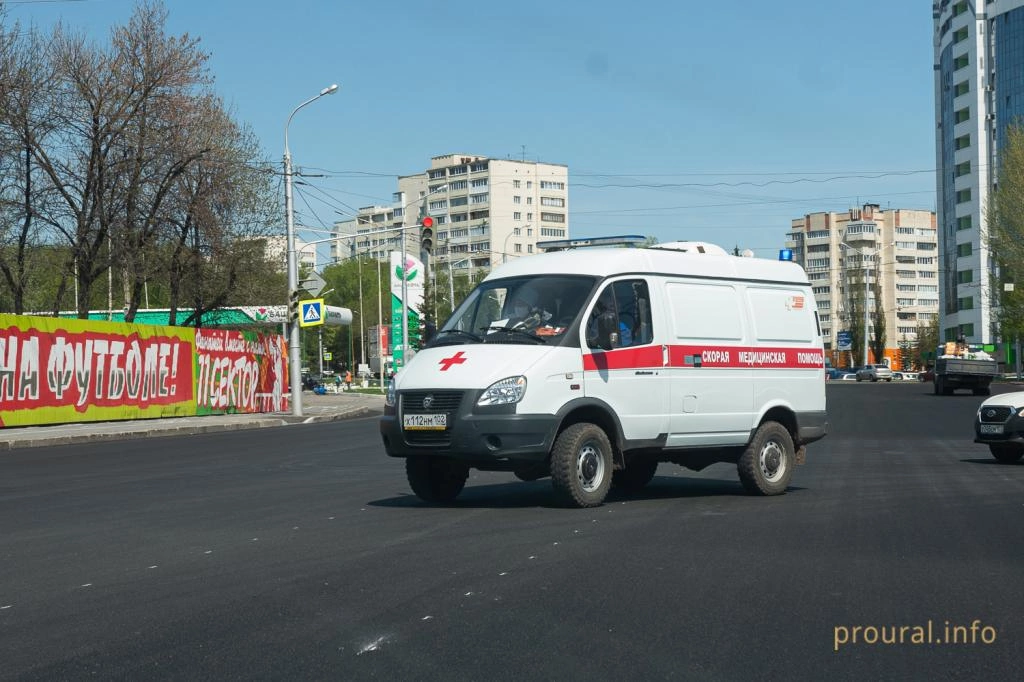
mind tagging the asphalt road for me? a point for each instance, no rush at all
(299, 553)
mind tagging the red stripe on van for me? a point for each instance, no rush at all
(745, 357)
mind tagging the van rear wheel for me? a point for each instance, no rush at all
(581, 466)
(438, 480)
(766, 466)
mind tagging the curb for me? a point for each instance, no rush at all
(156, 430)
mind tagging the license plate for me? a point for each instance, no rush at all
(437, 421)
(991, 428)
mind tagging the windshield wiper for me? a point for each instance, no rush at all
(514, 330)
(460, 332)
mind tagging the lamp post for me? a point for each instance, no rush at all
(294, 360)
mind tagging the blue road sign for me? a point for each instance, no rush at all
(311, 312)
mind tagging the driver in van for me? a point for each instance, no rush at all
(523, 312)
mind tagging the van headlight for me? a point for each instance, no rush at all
(389, 397)
(504, 392)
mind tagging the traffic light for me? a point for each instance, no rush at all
(427, 234)
(293, 306)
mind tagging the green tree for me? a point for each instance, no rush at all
(878, 322)
(927, 341)
(1005, 214)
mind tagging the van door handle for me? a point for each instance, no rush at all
(664, 356)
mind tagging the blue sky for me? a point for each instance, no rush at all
(675, 119)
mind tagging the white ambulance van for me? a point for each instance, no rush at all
(594, 365)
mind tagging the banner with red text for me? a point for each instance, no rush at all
(60, 371)
(55, 371)
(240, 371)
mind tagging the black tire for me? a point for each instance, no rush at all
(581, 466)
(937, 382)
(436, 479)
(766, 465)
(1005, 453)
(638, 472)
(859, 379)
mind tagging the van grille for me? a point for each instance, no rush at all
(424, 402)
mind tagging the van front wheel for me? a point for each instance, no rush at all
(766, 466)
(438, 480)
(581, 466)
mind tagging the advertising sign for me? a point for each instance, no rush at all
(412, 272)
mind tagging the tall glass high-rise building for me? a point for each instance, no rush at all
(979, 91)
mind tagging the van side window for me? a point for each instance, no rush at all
(631, 302)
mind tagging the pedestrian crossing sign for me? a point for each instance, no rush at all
(311, 312)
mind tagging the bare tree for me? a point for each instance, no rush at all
(24, 195)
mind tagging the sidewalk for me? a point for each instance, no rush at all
(315, 408)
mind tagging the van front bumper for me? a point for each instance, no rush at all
(497, 442)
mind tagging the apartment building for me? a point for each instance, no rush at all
(979, 91)
(486, 211)
(276, 250)
(846, 254)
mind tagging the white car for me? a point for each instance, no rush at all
(874, 373)
(999, 423)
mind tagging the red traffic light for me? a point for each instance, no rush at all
(427, 222)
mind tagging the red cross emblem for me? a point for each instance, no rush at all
(456, 359)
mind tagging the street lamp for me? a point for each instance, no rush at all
(294, 361)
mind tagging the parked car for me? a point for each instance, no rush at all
(874, 373)
(999, 424)
(834, 373)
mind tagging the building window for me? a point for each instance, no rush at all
(962, 115)
(964, 250)
(549, 184)
(517, 199)
(964, 276)
(960, 35)
(962, 142)
(961, 88)
(458, 184)
(552, 218)
(517, 215)
(480, 182)
(552, 201)
(960, 62)
(964, 223)
(529, 184)
(962, 169)
(515, 184)
(959, 8)
(965, 303)
(963, 196)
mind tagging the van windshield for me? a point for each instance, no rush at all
(534, 309)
